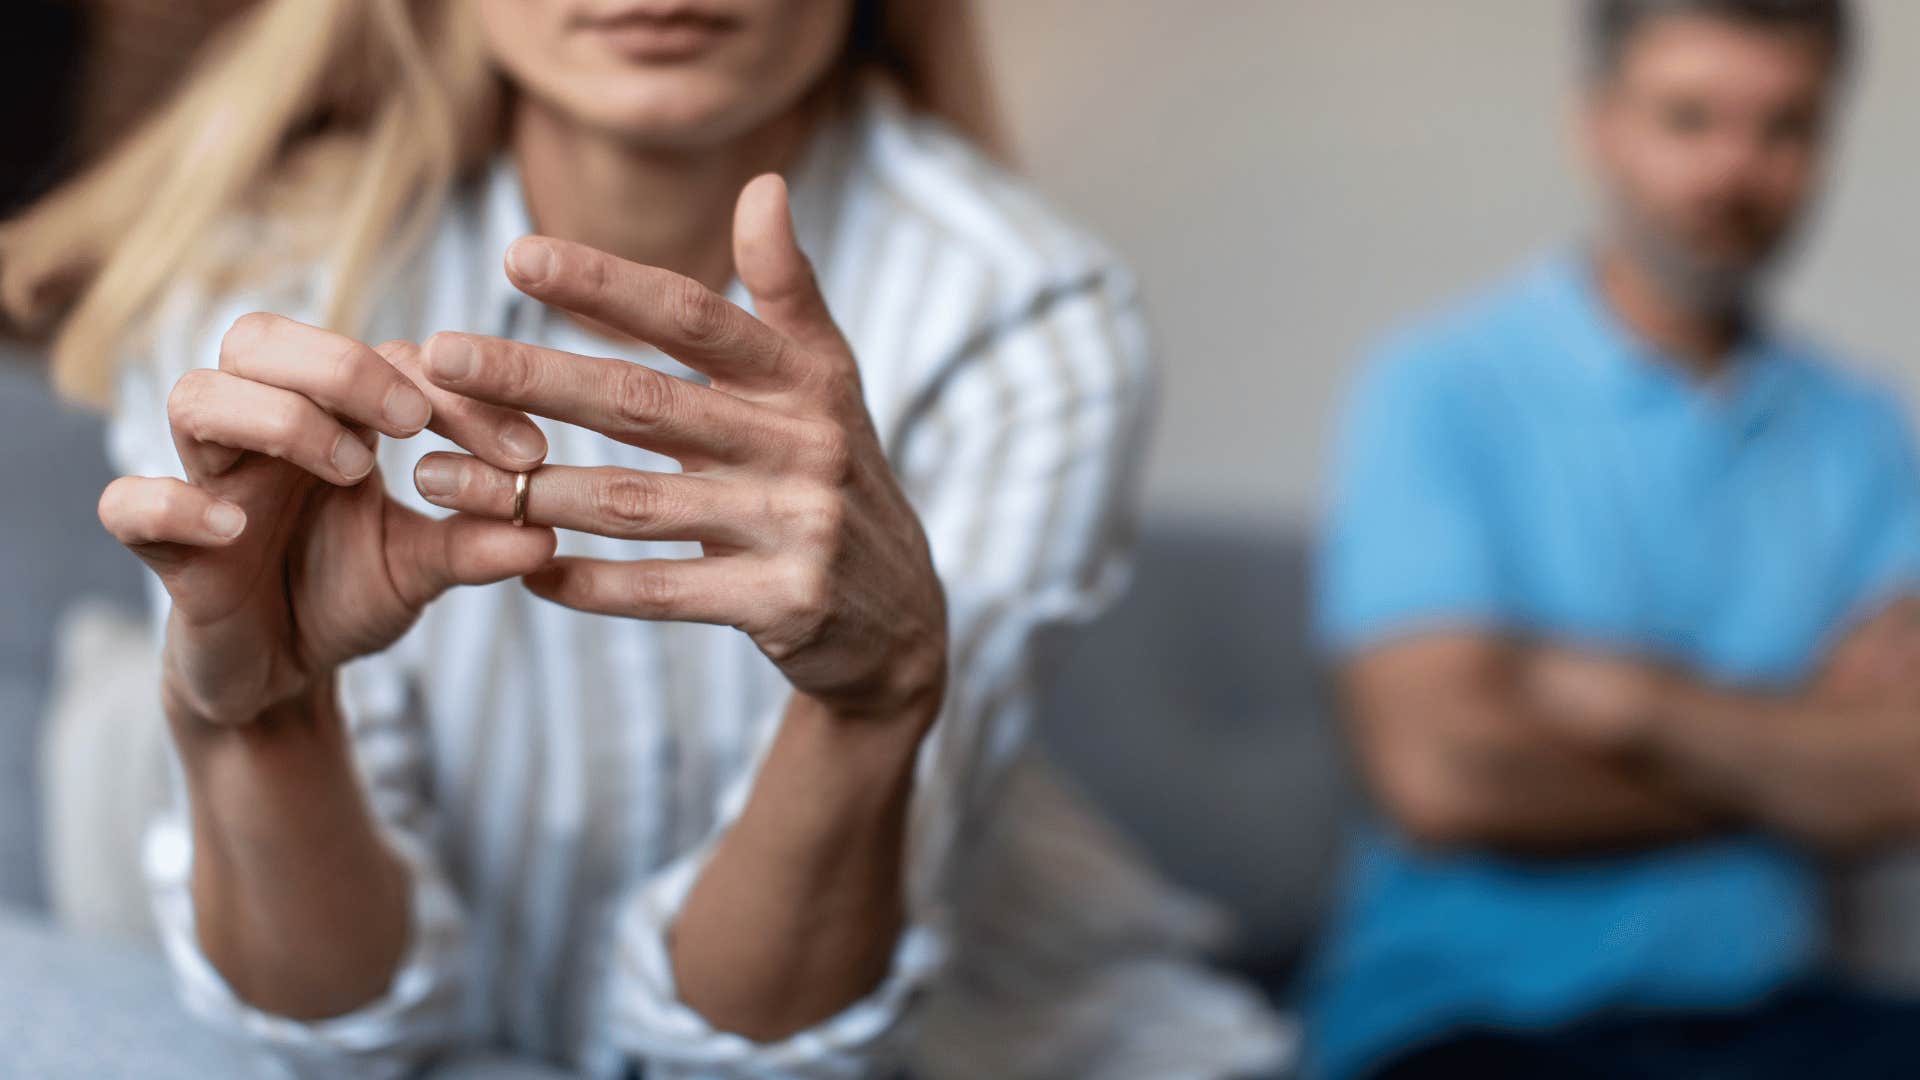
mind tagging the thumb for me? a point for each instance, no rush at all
(777, 274)
(427, 556)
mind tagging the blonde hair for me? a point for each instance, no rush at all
(338, 126)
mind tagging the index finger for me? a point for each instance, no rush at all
(499, 436)
(335, 372)
(672, 312)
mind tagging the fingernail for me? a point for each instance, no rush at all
(523, 443)
(352, 457)
(436, 476)
(406, 408)
(225, 521)
(452, 358)
(532, 260)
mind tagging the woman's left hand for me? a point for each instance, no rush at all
(809, 544)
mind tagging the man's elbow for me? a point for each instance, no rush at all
(1855, 827)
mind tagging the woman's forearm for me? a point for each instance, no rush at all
(797, 913)
(299, 904)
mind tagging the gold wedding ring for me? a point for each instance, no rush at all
(520, 482)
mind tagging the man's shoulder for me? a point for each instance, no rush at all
(1462, 345)
(1839, 390)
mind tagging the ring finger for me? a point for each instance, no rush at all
(625, 504)
(504, 437)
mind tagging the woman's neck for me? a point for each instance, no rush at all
(672, 209)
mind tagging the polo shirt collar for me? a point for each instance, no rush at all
(1635, 375)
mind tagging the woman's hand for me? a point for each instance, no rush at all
(282, 551)
(810, 547)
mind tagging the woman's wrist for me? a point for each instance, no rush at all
(193, 698)
(907, 702)
(228, 766)
(854, 770)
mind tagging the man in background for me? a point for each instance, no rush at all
(1623, 583)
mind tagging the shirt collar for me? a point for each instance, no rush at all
(1636, 375)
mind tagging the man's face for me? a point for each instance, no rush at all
(1706, 139)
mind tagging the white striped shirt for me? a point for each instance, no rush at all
(555, 779)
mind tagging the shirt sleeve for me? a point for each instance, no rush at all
(421, 1012)
(422, 1008)
(1022, 464)
(1408, 542)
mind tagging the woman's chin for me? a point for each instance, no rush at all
(667, 110)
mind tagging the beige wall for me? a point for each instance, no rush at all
(1293, 176)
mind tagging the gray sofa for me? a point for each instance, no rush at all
(52, 552)
(1188, 715)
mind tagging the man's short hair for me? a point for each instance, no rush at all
(1612, 23)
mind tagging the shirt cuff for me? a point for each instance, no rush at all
(386, 1038)
(651, 1022)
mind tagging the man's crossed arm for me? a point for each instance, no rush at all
(1475, 740)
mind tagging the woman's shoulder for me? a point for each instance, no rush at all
(932, 177)
(955, 276)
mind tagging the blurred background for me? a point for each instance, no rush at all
(1291, 179)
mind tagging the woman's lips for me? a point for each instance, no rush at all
(661, 38)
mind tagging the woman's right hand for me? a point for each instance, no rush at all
(283, 553)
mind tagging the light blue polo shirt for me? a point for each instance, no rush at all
(1526, 466)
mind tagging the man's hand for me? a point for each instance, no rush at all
(1470, 740)
(810, 546)
(1878, 662)
(1600, 701)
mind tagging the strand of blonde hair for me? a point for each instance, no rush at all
(324, 133)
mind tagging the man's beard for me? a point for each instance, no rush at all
(1710, 287)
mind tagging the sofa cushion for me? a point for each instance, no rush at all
(1192, 714)
(53, 552)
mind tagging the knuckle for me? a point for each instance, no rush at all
(170, 502)
(348, 363)
(818, 515)
(396, 350)
(247, 332)
(808, 610)
(112, 507)
(642, 397)
(627, 500)
(139, 508)
(809, 592)
(403, 356)
(183, 401)
(696, 311)
(831, 452)
(649, 586)
(589, 274)
(511, 372)
(280, 426)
